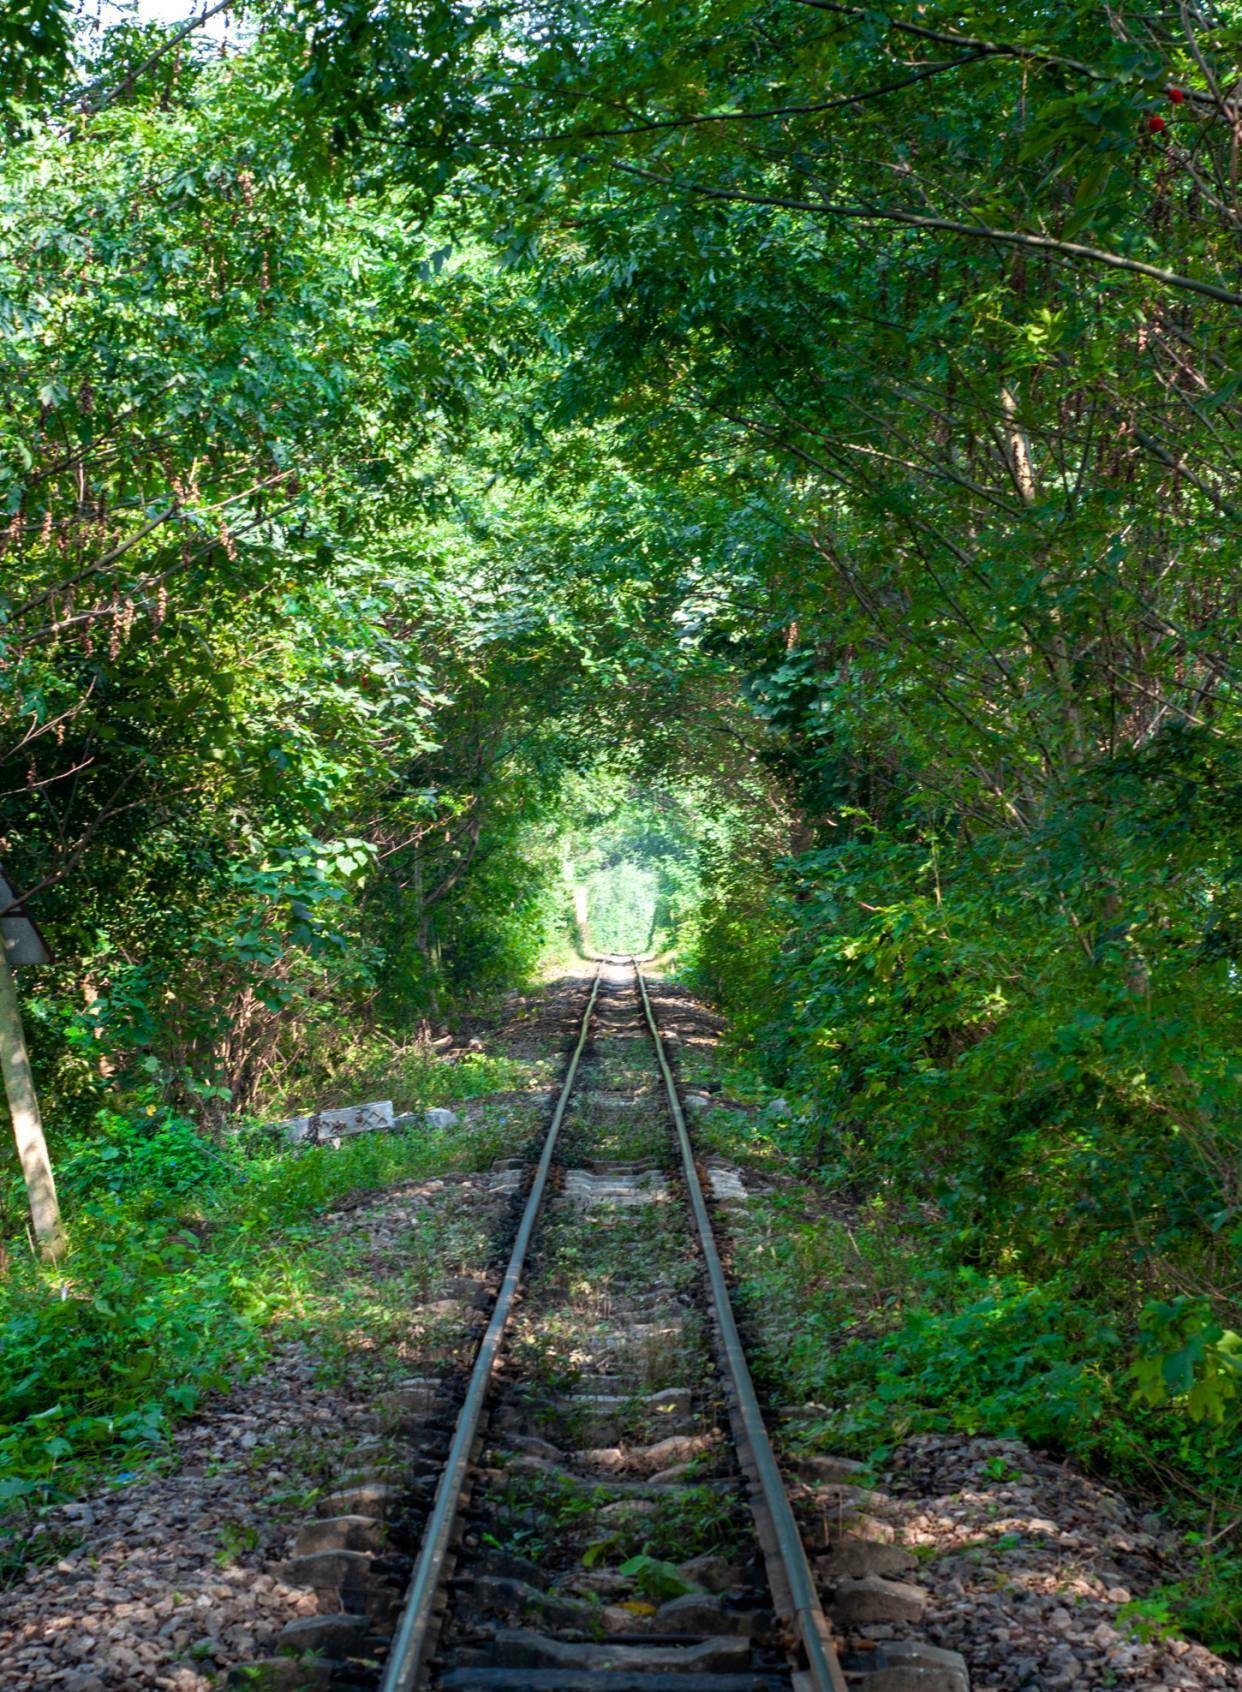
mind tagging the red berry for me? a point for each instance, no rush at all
(1177, 95)
(1155, 123)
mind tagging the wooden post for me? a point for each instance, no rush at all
(27, 1124)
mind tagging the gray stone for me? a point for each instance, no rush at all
(727, 1186)
(517, 1648)
(533, 1446)
(696, 1102)
(673, 1476)
(333, 1125)
(604, 1584)
(614, 1619)
(340, 1572)
(560, 1474)
(851, 1510)
(712, 1572)
(697, 1612)
(469, 1288)
(338, 1533)
(645, 1459)
(827, 1469)
(438, 1117)
(491, 1679)
(505, 1593)
(874, 1599)
(852, 1559)
(846, 1502)
(332, 1635)
(907, 1665)
(588, 1189)
(604, 1420)
(867, 1527)
(418, 1396)
(777, 1109)
(373, 1498)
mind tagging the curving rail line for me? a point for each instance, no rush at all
(790, 1581)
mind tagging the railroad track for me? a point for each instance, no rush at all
(609, 1431)
(597, 1507)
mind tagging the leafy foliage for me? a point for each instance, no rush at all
(416, 414)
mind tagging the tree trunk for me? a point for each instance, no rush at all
(582, 922)
(27, 1125)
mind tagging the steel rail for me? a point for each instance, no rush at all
(823, 1669)
(416, 1632)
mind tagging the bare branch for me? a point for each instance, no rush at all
(913, 220)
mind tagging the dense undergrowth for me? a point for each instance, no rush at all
(864, 1302)
(187, 1255)
(1071, 1134)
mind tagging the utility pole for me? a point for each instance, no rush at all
(21, 943)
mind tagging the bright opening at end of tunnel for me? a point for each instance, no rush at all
(632, 855)
(621, 907)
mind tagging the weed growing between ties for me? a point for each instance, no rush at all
(609, 1361)
(620, 1127)
(632, 1244)
(698, 1520)
(563, 1522)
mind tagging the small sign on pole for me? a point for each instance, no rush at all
(23, 944)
